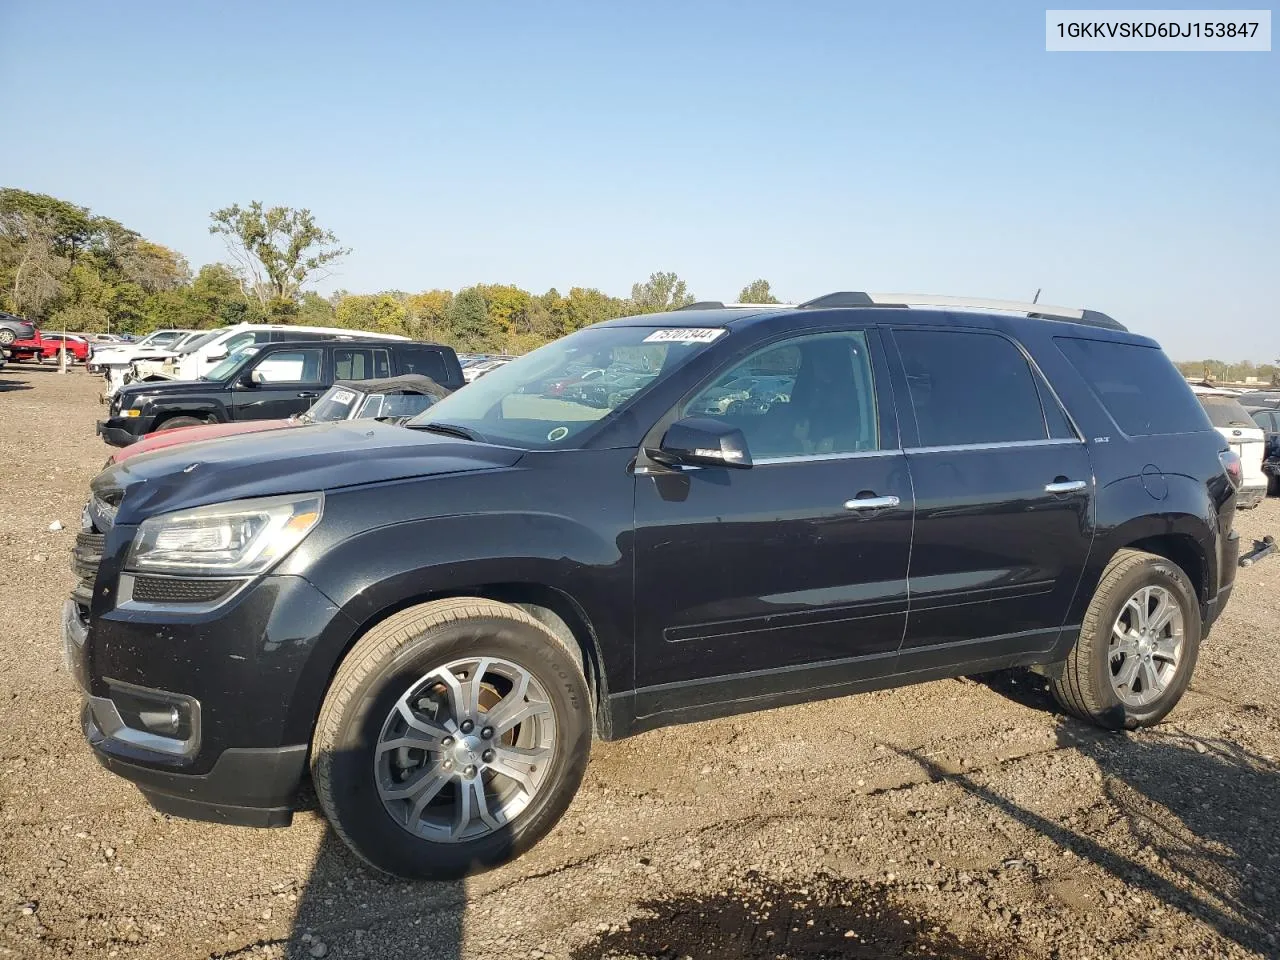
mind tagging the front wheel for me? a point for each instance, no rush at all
(453, 737)
(174, 423)
(1137, 647)
(7, 336)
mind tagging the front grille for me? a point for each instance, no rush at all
(86, 557)
(180, 590)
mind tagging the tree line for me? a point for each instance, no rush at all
(68, 268)
(1219, 371)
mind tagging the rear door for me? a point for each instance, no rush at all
(284, 382)
(1004, 490)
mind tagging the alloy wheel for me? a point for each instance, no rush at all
(1146, 646)
(465, 749)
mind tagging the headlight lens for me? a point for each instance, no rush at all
(243, 537)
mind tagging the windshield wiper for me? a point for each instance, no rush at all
(449, 429)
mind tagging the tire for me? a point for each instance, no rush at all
(173, 423)
(7, 336)
(406, 654)
(1086, 688)
(1273, 485)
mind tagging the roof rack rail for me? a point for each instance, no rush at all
(1039, 311)
(720, 305)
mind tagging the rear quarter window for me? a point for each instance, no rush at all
(1137, 385)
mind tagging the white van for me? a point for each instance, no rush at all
(1247, 439)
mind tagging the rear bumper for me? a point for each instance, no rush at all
(1211, 610)
(1249, 497)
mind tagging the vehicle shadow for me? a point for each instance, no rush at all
(347, 909)
(1201, 813)
(7, 383)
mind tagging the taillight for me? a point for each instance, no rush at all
(1231, 467)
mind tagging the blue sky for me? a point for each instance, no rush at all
(821, 145)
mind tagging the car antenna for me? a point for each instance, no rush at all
(1036, 298)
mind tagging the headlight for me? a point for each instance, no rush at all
(243, 537)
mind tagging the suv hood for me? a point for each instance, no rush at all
(320, 457)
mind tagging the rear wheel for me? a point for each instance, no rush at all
(7, 336)
(453, 737)
(173, 423)
(1137, 647)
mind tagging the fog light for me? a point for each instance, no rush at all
(161, 721)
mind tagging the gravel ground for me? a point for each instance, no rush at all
(962, 818)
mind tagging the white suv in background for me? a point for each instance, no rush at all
(1247, 439)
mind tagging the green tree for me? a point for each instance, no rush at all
(426, 312)
(315, 311)
(278, 249)
(757, 291)
(661, 292)
(372, 313)
(587, 305)
(467, 321)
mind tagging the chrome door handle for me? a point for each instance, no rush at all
(871, 503)
(1065, 486)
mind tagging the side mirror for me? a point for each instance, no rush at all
(702, 442)
(252, 378)
(216, 354)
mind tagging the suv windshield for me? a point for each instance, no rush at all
(1225, 411)
(227, 368)
(542, 400)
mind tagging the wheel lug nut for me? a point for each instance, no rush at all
(487, 733)
(467, 726)
(447, 764)
(470, 771)
(487, 756)
(447, 742)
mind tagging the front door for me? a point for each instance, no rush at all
(747, 579)
(281, 383)
(1004, 492)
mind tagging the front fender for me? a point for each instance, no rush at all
(205, 407)
(371, 574)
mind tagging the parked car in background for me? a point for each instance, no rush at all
(47, 346)
(1268, 419)
(15, 328)
(273, 381)
(390, 400)
(120, 355)
(1230, 419)
(160, 363)
(484, 365)
(439, 619)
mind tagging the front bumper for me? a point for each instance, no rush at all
(245, 787)
(120, 431)
(248, 676)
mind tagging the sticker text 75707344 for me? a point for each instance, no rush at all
(685, 335)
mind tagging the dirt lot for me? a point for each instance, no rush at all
(963, 818)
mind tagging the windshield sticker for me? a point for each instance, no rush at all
(343, 396)
(685, 335)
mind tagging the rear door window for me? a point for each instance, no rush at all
(1140, 388)
(970, 388)
(360, 363)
